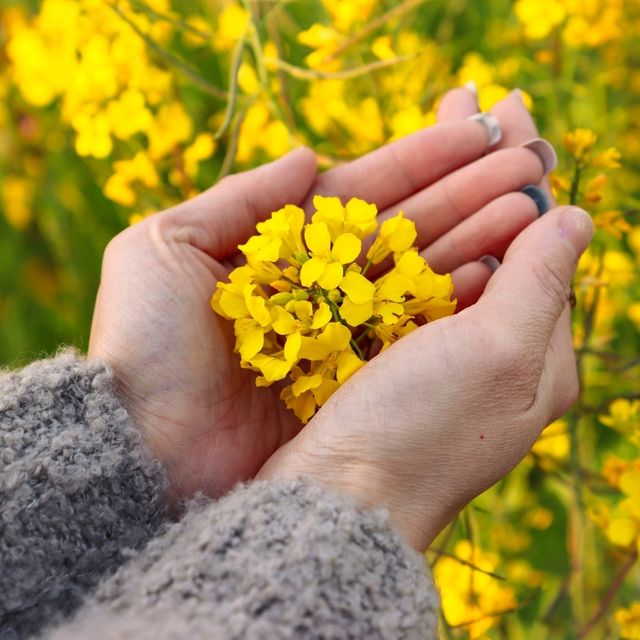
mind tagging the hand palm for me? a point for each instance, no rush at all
(173, 357)
(199, 412)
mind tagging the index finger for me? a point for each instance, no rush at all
(401, 168)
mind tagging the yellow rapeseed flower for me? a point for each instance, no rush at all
(579, 142)
(472, 598)
(232, 24)
(304, 309)
(540, 18)
(629, 621)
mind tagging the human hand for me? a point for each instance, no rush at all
(445, 412)
(199, 412)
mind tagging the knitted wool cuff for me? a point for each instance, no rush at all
(269, 561)
(77, 489)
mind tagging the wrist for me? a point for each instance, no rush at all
(369, 485)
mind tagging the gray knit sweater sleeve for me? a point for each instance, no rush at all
(80, 505)
(77, 491)
(268, 561)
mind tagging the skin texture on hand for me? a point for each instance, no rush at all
(199, 412)
(444, 413)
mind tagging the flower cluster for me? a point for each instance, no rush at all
(306, 306)
(93, 58)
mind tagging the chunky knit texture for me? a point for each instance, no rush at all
(268, 561)
(76, 489)
(80, 497)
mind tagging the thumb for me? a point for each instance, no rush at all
(531, 287)
(226, 215)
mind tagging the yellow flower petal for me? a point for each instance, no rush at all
(304, 310)
(623, 531)
(321, 316)
(304, 405)
(331, 276)
(250, 342)
(398, 232)
(256, 306)
(263, 248)
(323, 392)
(232, 303)
(346, 248)
(272, 369)
(390, 312)
(292, 347)
(335, 337)
(630, 483)
(358, 289)
(361, 217)
(393, 287)
(311, 270)
(306, 383)
(318, 240)
(329, 210)
(355, 314)
(284, 322)
(348, 364)
(410, 263)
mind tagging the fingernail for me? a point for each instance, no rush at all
(471, 86)
(491, 125)
(543, 149)
(538, 196)
(491, 262)
(518, 94)
(577, 227)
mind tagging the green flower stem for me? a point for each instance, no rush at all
(179, 64)
(575, 184)
(357, 350)
(180, 25)
(347, 74)
(335, 312)
(233, 89)
(367, 266)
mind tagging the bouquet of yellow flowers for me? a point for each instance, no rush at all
(313, 302)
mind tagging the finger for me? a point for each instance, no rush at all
(516, 120)
(458, 104)
(399, 169)
(469, 282)
(440, 207)
(558, 388)
(490, 231)
(519, 128)
(223, 217)
(529, 291)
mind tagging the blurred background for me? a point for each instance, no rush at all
(113, 109)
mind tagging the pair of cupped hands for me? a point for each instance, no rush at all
(427, 424)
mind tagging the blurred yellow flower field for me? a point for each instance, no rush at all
(111, 110)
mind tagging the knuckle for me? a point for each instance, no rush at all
(510, 355)
(515, 365)
(551, 283)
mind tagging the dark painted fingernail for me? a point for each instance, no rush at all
(539, 197)
(491, 262)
